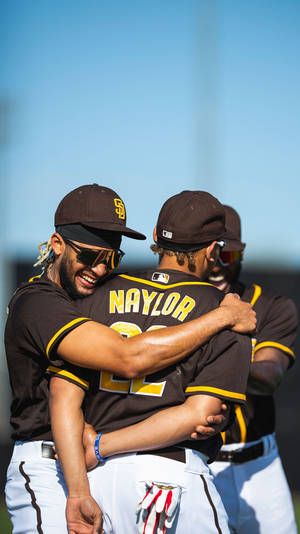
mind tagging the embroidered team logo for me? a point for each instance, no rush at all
(167, 234)
(160, 277)
(120, 208)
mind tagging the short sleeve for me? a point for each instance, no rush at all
(81, 377)
(41, 319)
(278, 328)
(226, 368)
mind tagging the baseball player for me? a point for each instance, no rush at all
(44, 327)
(248, 471)
(162, 482)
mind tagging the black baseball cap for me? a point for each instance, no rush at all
(233, 230)
(97, 207)
(189, 221)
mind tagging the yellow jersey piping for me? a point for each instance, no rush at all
(164, 286)
(224, 392)
(275, 345)
(256, 295)
(68, 325)
(242, 424)
(67, 374)
(34, 277)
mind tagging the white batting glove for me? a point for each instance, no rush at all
(158, 508)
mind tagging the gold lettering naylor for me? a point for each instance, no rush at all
(141, 301)
(120, 208)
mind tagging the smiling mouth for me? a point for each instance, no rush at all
(87, 280)
(216, 278)
(219, 281)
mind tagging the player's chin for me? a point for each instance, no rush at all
(83, 287)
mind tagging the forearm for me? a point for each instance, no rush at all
(67, 427)
(164, 428)
(95, 346)
(267, 371)
(264, 378)
(153, 351)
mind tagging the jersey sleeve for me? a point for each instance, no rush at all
(225, 370)
(278, 328)
(81, 377)
(42, 319)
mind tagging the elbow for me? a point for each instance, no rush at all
(126, 368)
(131, 371)
(133, 365)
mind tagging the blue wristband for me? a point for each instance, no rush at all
(97, 452)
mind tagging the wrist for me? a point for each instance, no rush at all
(79, 495)
(226, 317)
(80, 489)
(98, 448)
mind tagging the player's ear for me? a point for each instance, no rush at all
(155, 235)
(57, 244)
(212, 252)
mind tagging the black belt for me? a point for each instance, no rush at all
(239, 456)
(173, 453)
(47, 451)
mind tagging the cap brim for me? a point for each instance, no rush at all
(232, 242)
(124, 230)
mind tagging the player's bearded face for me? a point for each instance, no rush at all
(224, 277)
(77, 280)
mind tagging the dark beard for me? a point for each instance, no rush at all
(66, 282)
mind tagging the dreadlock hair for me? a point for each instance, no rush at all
(46, 256)
(180, 256)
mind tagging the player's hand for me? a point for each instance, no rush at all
(243, 317)
(214, 425)
(89, 436)
(83, 515)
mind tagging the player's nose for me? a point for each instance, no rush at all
(216, 268)
(99, 270)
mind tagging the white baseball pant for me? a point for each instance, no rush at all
(121, 483)
(35, 491)
(255, 494)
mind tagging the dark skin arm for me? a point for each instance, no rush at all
(95, 346)
(267, 371)
(82, 512)
(164, 428)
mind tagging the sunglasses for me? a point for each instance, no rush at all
(227, 257)
(90, 257)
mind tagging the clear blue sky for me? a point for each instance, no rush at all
(151, 98)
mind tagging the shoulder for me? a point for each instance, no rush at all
(273, 310)
(36, 293)
(261, 297)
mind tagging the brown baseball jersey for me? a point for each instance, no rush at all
(157, 299)
(40, 314)
(276, 327)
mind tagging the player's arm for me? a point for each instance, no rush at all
(96, 346)
(164, 428)
(273, 352)
(65, 400)
(222, 379)
(267, 371)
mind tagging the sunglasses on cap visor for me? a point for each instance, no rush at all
(90, 257)
(227, 257)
